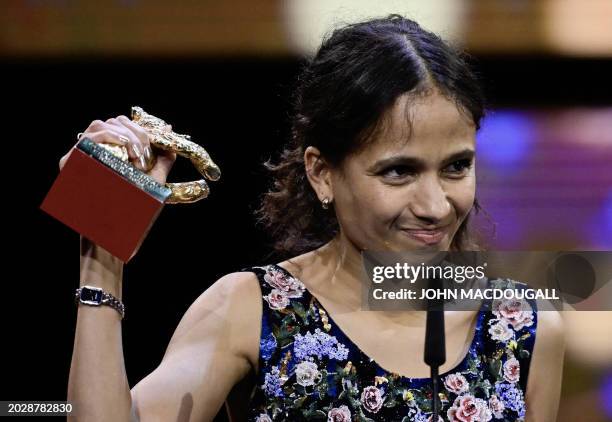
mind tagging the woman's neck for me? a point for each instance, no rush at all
(333, 272)
(344, 279)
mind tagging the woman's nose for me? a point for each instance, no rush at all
(430, 201)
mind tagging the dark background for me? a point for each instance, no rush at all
(238, 110)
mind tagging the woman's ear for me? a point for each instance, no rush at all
(318, 172)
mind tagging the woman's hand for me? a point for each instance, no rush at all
(122, 131)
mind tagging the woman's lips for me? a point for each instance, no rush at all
(429, 237)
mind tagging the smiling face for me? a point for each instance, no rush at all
(412, 179)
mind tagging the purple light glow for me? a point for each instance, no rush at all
(607, 212)
(505, 137)
(605, 394)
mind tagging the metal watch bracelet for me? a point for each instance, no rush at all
(94, 296)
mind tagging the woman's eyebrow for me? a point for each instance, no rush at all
(459, 155)
(417, 163)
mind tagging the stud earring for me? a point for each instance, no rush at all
(325, 203)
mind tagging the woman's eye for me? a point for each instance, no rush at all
(397, 172)
(460, 166)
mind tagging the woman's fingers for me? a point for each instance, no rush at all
(130, 141)
(137, 146)
(123, 131)
(137, 129)
(107, 137)
(143, 136)
(100, 136)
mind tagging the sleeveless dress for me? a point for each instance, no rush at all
(310, 370)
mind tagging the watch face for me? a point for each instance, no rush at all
(91, 296)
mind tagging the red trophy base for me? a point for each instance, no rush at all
(102, 205)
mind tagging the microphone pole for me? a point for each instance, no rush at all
(435, 343)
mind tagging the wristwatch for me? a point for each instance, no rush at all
(94, 296)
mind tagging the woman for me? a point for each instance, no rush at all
(382, 158)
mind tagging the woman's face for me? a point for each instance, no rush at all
(415, 184)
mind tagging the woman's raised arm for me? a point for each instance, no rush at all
(215, 345)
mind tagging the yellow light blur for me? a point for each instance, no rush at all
(306, 22)
(579, 27)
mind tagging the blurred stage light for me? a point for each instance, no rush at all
(307, 21)
(505, 137)
(590, 127)
(579, 27)
(607, 212)
(606, 394)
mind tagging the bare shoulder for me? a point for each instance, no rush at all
(551, 329)
(229, 291)
(546, 368)
(549, 345)
(214, 347)
(233, 304)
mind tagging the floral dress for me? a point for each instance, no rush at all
(310, 370)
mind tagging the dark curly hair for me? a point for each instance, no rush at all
(339, 101)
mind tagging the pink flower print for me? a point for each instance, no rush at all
(277, 299)
(371, 399)
(512, 370)
(289, 286)
(339, 414)
(467, 408)
(456, 383)
(496, 406)
(513, 312)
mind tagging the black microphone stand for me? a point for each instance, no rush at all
(435, 344)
